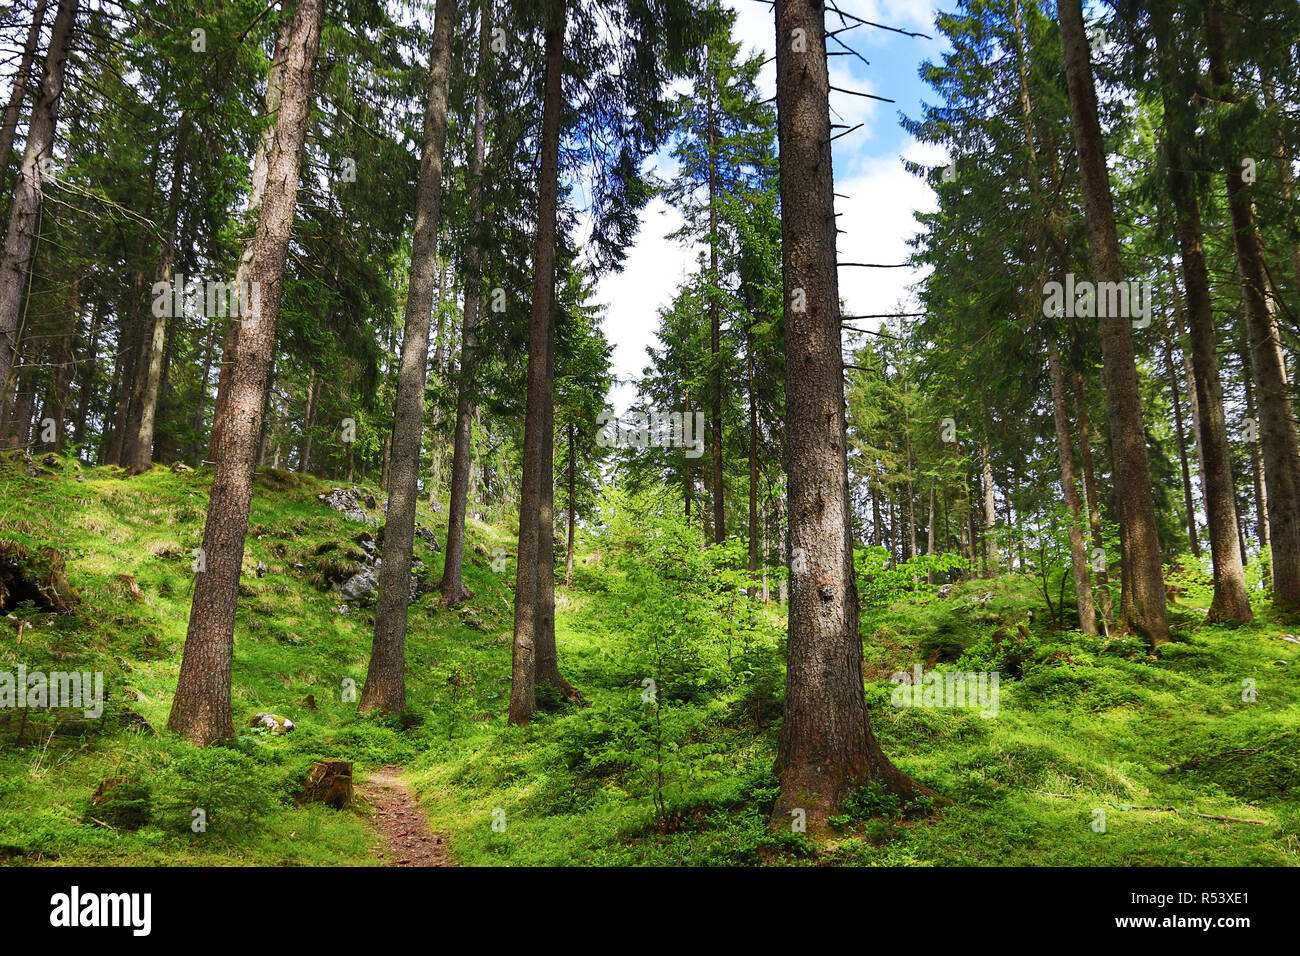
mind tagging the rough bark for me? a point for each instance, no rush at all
(990, 512)
(753, 465)
(1231, 602)
(385, 686)
(141, 444)
(523, 662)
(570, 517)
(1142, 601)
(1069, 484)
(715, 333)
(20, 240)
(19, 90)
(452, 587)
(1102, 575)
(1256, 463)
(827, 747)
(1279, 446)
(257, 188)
(548, 665)
(201, 711)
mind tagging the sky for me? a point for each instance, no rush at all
(878, 217)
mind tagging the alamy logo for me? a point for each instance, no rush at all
(659, 429)
(74, 908)
(1087, 300)
(946, 689)
(210, 298)
(58, 689)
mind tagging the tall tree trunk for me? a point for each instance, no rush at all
(130, 337)
(1142, 602)
(20, 241)
(715, 333)
(1286, 187)
(1231, 602)
(19, 89)
(548, 666)
(1176, 403)
(929, 535)
(257, 189)
(827, 747)
(142, 441)
(201, 399)
(568, 555)
(308, 420)
(86, 379)
(1101, 575)
(753, 466)
(1189, 371)
(523, 671)
(452, 587)
(990, 512)
(385, 686)
(201, 709)
(1065, 451)
(55, 408)
(1256, 464)
(1279, 446)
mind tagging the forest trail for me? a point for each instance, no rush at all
(401, 822)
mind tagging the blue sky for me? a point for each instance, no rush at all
(877, 216)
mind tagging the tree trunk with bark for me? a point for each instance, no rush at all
(452, 587)
(1231, 602)
(201, 710)
(141, 445)
(19, 89)
(20, 241)
(827, 747)
(257, 188)
(1142, 604)
(523, 669)
(1064, 447)
(1279, 446)
(385, 686)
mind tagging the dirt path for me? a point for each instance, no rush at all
(400, 822)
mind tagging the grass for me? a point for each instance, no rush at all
(1084, 724)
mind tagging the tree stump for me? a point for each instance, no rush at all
(330, 783)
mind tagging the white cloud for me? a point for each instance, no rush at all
(655, 268)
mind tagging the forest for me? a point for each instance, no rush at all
(808, 433)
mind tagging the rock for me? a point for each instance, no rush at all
(120, 803)
(273, 723)
(361, 585)
(342, 609)
(436, 506)
(424, 534)
(261, 569)
(945, 591)
(32, 472)
(180, 468)
(329, 782)
(370, 501)
(348, 503)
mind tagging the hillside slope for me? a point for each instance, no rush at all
(678, 775)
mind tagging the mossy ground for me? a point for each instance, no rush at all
(1084, 723)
